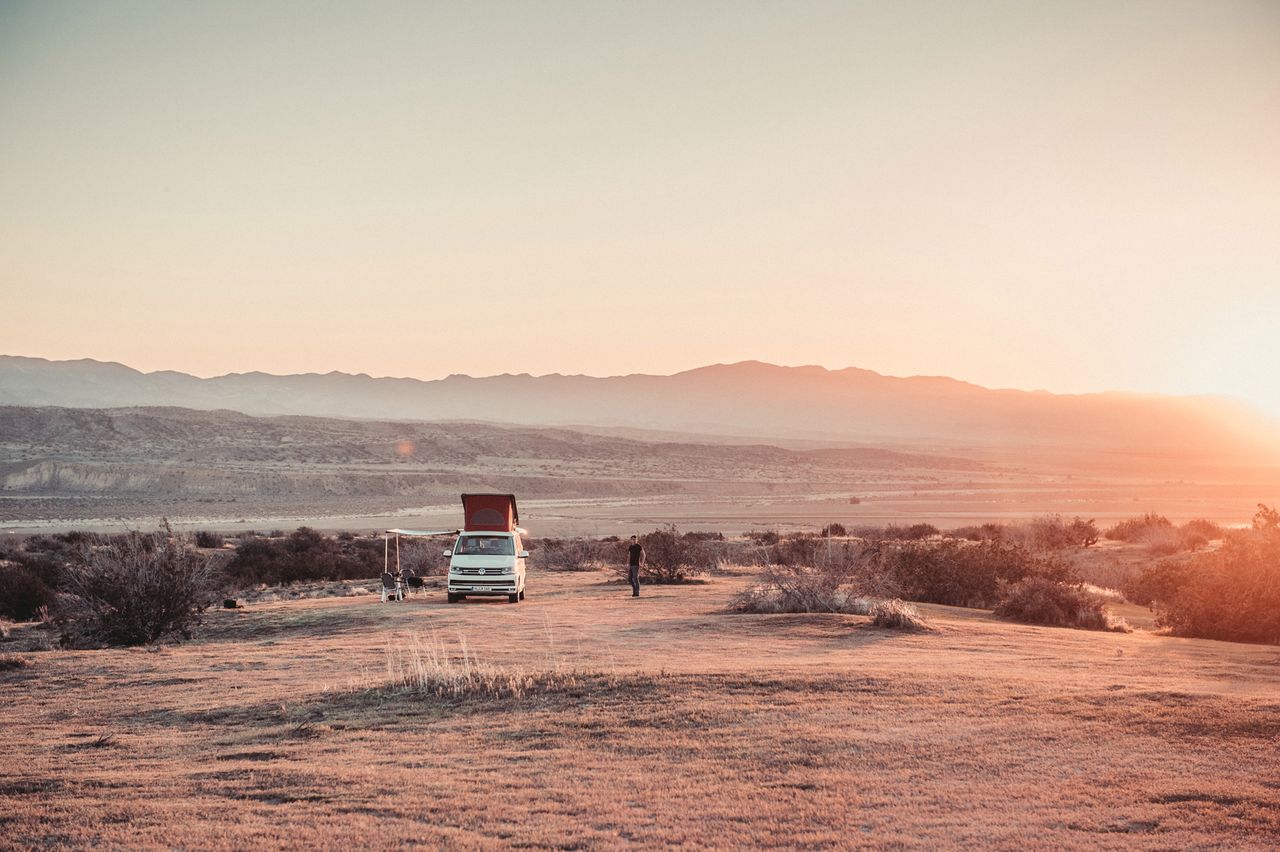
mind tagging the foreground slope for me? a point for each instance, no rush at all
(707, 729)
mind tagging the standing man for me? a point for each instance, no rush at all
(635, 559)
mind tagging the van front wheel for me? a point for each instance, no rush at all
(513, 599)
(454, 598)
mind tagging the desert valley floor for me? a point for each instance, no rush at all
(683, 724)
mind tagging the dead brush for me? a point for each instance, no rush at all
(895, 614)
(11, 663)
(798, 588)
(428, 667)
(106, 739)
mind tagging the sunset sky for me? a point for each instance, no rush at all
(1073, 196)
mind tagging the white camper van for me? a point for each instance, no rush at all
(488, 558)
(487, 563)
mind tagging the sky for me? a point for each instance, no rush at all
(1074, 196)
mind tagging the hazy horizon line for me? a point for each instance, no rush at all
(747, 361)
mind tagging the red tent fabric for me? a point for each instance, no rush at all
(489, 512)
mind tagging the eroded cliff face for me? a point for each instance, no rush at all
(47, 478)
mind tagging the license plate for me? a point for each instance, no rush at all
(481, 589)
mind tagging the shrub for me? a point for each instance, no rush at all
(1157, 582)
(576, 554)
(423, 556)
(1053, 532)
(897, 615)
(307, 555)
(23, 594)
(986, 532)
(914, 532)
(836, 530)
(1139, 529)
(135, 590)
(793, 588)
(958, 573)
(672, 558)
(1232, 593)
(1207, 530)
(1040, 600)
(207, 539)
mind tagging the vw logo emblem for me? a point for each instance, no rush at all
(481, 571)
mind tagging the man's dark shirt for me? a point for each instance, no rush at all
(633, 553)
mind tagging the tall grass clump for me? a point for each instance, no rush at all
(429, 668)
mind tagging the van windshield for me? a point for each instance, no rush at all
(485, 545)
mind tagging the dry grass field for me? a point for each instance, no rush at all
(670, 722)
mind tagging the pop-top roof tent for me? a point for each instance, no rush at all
(489, 513)
(480, 512)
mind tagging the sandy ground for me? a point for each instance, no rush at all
(701, 728)
(784, 508)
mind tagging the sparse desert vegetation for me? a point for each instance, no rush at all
(287, 723)
(752, 693)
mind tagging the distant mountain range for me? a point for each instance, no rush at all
(744, 399)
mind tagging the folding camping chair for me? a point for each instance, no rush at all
(391, 589)
(409, 581)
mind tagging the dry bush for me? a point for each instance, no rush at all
(670, 557)
(913, 532)
(428, 668)
(985, 532)
(1207, 530)
(956, 573)
(23, 593)
(1053, 532)
(309, 555)
(1040, 600)
(423, 556)
(135, 589)
(575, 554)
(1044, 533)
(208, 539)
(1136, 530)
(797, 588)
(895, 614)
(1231, 594)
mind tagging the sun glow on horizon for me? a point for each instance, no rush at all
(1062, 196)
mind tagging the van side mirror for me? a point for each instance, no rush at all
(524, 554)
(448, 553)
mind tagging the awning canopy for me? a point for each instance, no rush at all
(422, 533)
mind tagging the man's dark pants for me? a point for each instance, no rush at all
(633, 576)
